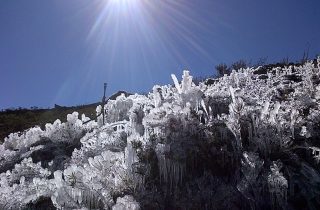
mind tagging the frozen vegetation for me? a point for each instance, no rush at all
(248, 140)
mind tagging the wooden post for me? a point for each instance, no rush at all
(103, 101)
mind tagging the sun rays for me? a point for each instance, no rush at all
(148, 26)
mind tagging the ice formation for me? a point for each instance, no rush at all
(249, 140)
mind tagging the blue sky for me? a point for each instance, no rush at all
(63, 51)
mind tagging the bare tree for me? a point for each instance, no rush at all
(222, 69)
(285, 61)
(240, 64)
(261, 62)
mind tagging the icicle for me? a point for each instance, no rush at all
(274, 113)
(264, 111)
(294, 115)
(277, 72)
(176, 83)
(171, 172)
(210, 113)
(204, 107)
(186, 81)
(237, 81)
(131, 156)
(232, 91)
(157, 96)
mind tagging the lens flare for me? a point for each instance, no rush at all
(147, 22)
(130, 33)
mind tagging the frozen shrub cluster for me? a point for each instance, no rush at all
(127, 202)
(249, 140)
(46, 145)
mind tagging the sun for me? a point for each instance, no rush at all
(126, 32)
(124, 2)
(121, 1)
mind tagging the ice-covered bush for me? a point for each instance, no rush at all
(249, 140)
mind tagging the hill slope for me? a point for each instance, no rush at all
(12, 121)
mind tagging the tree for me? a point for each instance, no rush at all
(240, 64)
(222, 69)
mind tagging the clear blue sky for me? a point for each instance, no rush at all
(61, 51)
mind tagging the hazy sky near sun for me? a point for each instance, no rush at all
(62, 51)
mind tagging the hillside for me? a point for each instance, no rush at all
(12, 121)
(248, 140)
(15, 120)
